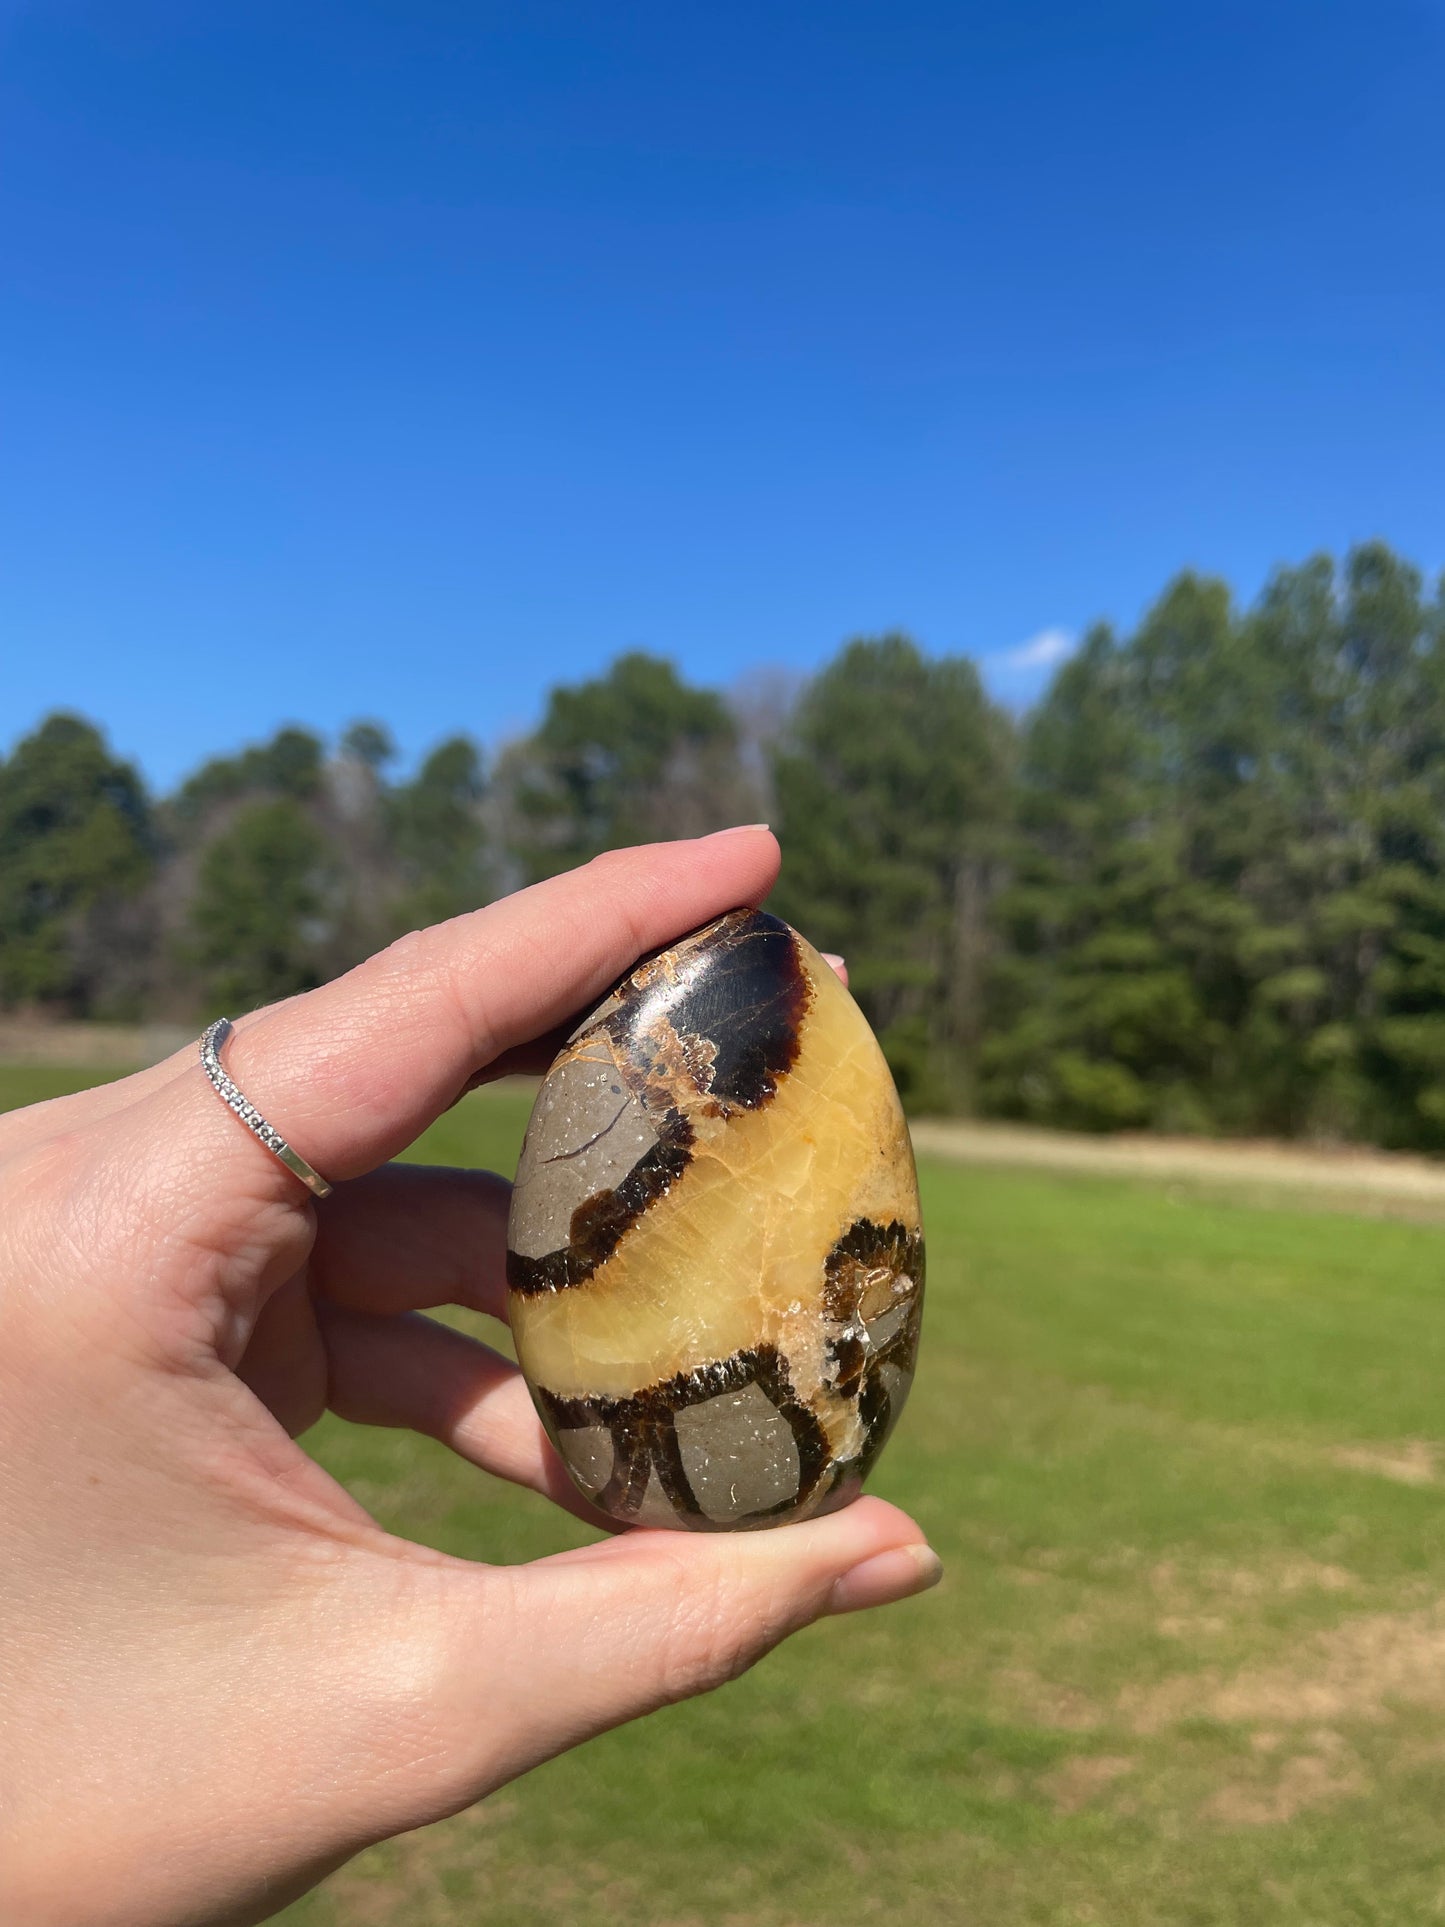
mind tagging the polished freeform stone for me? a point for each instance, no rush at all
(715, 1256)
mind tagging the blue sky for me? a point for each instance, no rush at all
(404, 359)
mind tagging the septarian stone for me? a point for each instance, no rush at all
(715, 1255)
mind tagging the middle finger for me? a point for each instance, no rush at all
(407, 1237)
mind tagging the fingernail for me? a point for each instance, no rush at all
(832, 957)
(737, 829)
(885, 1577)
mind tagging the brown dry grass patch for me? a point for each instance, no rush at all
(1082, 1780)
(1358, 1670)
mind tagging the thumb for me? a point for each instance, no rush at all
(619, 1628)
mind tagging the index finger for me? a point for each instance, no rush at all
(350, 1074)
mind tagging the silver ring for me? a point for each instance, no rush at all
(245, 1110)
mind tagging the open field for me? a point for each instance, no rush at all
(1185, 1463)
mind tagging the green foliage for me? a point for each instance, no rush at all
(289, 765)
(1243, 815)
(892, 788)
(1201, 887)
(258, 916)
(75, 844)
(633, 756)
(370, 744)
(437, 836)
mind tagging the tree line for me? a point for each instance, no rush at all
(1200, 886)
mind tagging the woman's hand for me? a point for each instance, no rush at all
(218, 1677)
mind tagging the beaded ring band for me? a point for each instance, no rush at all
(211, 1044)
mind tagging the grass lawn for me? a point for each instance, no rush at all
(33, 1083)
(1187, 1666)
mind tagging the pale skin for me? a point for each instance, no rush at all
(219, 1678)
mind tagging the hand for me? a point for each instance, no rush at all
(219, 1678)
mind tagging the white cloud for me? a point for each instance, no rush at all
(1042, 651)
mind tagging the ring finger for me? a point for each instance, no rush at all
(413, 1372)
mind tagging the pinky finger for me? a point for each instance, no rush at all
(412, 1372)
